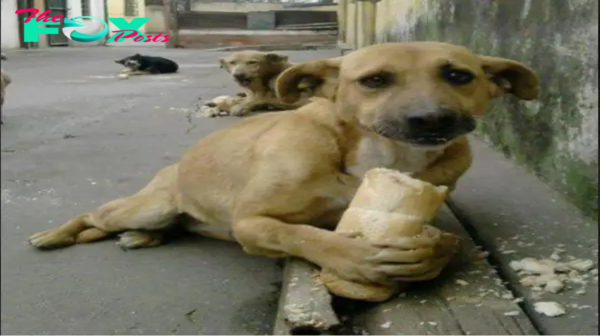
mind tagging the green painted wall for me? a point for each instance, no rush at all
(557, 136)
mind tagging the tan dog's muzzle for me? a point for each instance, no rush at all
(242, 79)
(427, 127)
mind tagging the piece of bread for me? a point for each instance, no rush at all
(387, 204)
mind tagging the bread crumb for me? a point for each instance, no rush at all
(549, 308)
(550, 275)
(534, 266)
(582, 265)
(483, 255)
(508, 296)
(562, 268)
(512, 313)
(555, 256)
(386, 325)
(461, 282)
(554, 286)
(432, 323)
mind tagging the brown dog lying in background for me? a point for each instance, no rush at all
(276, 182)
(256, 73)
(4, 81)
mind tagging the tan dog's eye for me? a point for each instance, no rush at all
(231, 62)
(251, 62)
(374, 82)
(457, 77)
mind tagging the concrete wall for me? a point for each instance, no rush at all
(218, 6)
(556, 137)
(43, 39)
(116, 8)
(157, 19)
(156, 23)
(10, 25)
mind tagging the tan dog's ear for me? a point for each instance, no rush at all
(274, 58)
(318, 76)
(222, 63)
(511, 77)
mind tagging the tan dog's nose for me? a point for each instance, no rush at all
(240, 77)
(441, 122)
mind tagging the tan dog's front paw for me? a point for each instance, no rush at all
(446, 248)
(406, 259)
(210, 110)
(440, 247)
(50, 239)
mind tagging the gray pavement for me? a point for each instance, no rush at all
(75, 137)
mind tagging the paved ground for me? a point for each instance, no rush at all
(75, 137)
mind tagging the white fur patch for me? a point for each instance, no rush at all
(380, 153)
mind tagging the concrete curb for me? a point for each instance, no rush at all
(304, 305)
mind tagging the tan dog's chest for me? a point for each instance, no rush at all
(372, 152)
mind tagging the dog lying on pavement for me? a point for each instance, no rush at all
(140, 64)
(276, 183)
(5, 80)
(256, 73)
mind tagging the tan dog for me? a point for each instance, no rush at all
(277, 181)
(4, 81)
(256, 73)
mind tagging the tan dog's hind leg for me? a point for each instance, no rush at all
(91, 235)
(153, 208)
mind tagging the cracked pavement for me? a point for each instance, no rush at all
(75, 137)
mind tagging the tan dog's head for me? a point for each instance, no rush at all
(250, 68)
(422, 93)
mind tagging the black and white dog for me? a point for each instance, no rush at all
(139, 64)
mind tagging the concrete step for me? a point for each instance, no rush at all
(514, 215)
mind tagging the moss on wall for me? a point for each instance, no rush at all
(557, 136)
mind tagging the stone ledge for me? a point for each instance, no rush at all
(514, 215)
